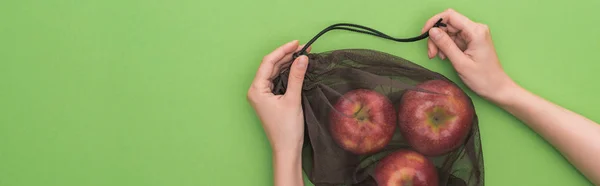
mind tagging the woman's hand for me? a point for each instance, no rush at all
(281, 115)
(469, 47)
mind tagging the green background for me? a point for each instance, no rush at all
(153, 92)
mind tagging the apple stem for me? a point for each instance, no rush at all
(359, 109)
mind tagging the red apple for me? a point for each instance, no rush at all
(405, 167)
(435, 123)
(362, 121)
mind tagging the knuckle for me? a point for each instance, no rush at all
(265, 58)
(483, 29)
(450, 10)
(251, 95)
(268, 58)
(250, 98)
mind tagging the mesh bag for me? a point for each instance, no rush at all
(385, 83)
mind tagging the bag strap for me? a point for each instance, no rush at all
(364, 30)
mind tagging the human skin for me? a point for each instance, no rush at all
(468, 46)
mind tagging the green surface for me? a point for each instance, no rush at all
(154, 92)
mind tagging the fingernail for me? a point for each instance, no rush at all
(429, 54)
(301, 63)
(435, 33)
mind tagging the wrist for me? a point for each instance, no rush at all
(505, 93)
(288, 152)
(287, 146)
(288, 167)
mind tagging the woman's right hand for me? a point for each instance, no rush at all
(470, 49)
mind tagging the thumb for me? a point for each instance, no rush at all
(296, 78)
(443, 41)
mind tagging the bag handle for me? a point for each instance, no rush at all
(364, 30)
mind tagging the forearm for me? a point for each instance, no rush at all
(575, 136)
(287, 167)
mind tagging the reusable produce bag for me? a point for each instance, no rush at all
(334, 73)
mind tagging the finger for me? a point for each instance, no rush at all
(451, 18)
(451, 30)
(459, 42)
(288, 57)
(296, 78)
(446, 45)
(267, 65)
(442, 55)
(431, 49)
(285, 61)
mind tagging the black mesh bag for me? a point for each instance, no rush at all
(373, 118)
